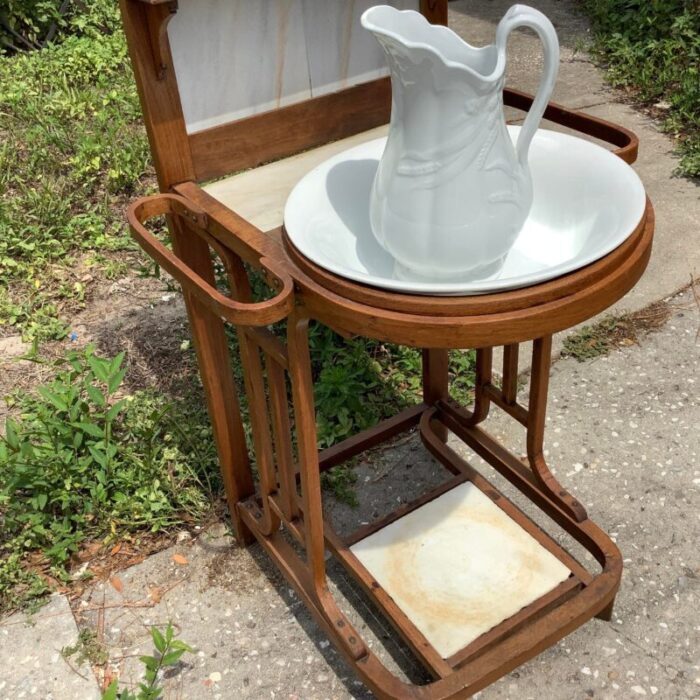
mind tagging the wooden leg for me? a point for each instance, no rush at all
(539, 386)
(214, 361)
(606, 613)
(436, 381)
(482, 403)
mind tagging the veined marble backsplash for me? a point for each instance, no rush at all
(234, 58)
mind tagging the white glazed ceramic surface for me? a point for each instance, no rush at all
(586, 202)
(458, 566)
(451, 192)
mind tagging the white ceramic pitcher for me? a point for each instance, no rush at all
(452, 192)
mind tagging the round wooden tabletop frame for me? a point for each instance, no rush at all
(284, 503)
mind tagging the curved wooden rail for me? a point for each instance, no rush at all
(626, 141)
(242, 314)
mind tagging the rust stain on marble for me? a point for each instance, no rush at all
(459, 566)
(285, 7)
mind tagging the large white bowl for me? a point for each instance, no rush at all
(587, 201)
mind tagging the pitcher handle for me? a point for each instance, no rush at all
(524, 16)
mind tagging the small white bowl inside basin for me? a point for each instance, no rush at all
(587, 201)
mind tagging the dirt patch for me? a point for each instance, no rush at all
(143, 316)
(616, 331)
(235, 569)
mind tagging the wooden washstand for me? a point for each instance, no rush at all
(204, 126)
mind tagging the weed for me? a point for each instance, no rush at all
(615, 331)
(461, 368)
(340, 481)
(167, 654)
(359, 381)
(87, 648)
(85, 462)
(591, 341)
(20, 586)
(112, 268)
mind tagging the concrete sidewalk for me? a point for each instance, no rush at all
(622, 434)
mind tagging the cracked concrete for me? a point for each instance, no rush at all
(32, 663)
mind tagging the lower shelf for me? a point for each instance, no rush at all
(458, 566)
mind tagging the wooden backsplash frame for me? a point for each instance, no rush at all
(247, 142)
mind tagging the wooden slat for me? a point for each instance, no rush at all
(282, 432)
(255, 140)
(512, 409)
(372, 437)
(510, 373)
(563, 592)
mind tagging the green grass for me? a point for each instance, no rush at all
(72, 150)
(652, 49)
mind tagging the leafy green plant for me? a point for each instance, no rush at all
(83, 461)
(652, 48)
(340, 481)
(167, 654)
(358, 382)
(30, 24)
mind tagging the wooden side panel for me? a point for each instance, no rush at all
(160, 101)
(237, 58)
